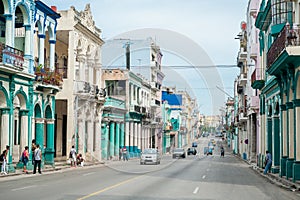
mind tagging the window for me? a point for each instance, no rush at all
(281, 9)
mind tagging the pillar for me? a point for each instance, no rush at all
(117, 139)
(131, 137)
(135, 146)
(127, 135)
(24, 128)
(112, 139)
(122, 135)
(296, 165)
(28, 43)
(41, 49)
(39, 132)
(49, 150)
(9, 35)
(52, 54)
(104, 140)
(284, 141)
(139, 129)
(290, 160)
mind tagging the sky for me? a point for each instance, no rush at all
(204, 29)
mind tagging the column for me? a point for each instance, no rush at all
(41, 49)
(4, 128)
(296, 165)
(135, 146)
(284, 141)
(28, 42)
(139, 137)
(269, 135)
(52, 54)
(104, 140)
(127, 135)
(122, 135)
(290, 122)
(24, 128)
(81, 136)
(112, 139)
(97, 139)
(49, 151)
(9, 35)
(131, 136)
(276, 145)
(117, 139)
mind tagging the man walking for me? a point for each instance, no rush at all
(4, 156)
(37, 159)
(268, 162)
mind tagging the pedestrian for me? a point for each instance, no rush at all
(268, 162)
(124, 154)
(37, 159)
(33, 147)
(222, 151)
(72, 156)
(4, 158)
(79, 160)
(25, 159)
(120, 153)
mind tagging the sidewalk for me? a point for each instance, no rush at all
(274, 178)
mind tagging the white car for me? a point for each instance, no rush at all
(150, 155)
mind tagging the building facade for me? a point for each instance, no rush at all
(78, 104)
(27, 107)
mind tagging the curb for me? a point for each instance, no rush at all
(275, 179)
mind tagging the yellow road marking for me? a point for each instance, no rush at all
(108, 188)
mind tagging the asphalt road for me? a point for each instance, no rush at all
(196, 177)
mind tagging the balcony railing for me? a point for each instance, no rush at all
(10, 55)
(289, 36)
(45, 76)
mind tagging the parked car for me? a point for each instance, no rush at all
(192, 151)
(179, 153)
(150, 155)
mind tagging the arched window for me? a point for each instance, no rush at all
(281, 9)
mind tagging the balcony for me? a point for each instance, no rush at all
(135, 108)
(242, 79)
(155, 103)
(254, 102)
(11, 56)
(82, 87)
(256, 79)
(156, 86)
(243, 117)
(47, 77)
(285, 50)
(254, 51)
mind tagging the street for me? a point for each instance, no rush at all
(196, 177)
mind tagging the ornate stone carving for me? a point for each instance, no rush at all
(87, 18)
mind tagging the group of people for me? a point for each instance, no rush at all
(75, 159)
(36, 158)
(123, 154)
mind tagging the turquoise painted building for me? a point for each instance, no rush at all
(26, 103)
(279, 99)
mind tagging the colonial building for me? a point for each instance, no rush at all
(126, 113)
(143, 58)
(278, 22)
(78, 105)
(26, 103)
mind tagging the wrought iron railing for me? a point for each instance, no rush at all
(289, 36)
(10, 55)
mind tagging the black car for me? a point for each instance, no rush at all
(178, 153)
(191, 151)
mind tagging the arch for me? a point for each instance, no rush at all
(38, 25)
(3, 98)
(6, 6)
(37, 111)
(50, 32)
(21, 95)
(25, 16)
(48, 112)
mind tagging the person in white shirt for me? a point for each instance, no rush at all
(37, 159)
